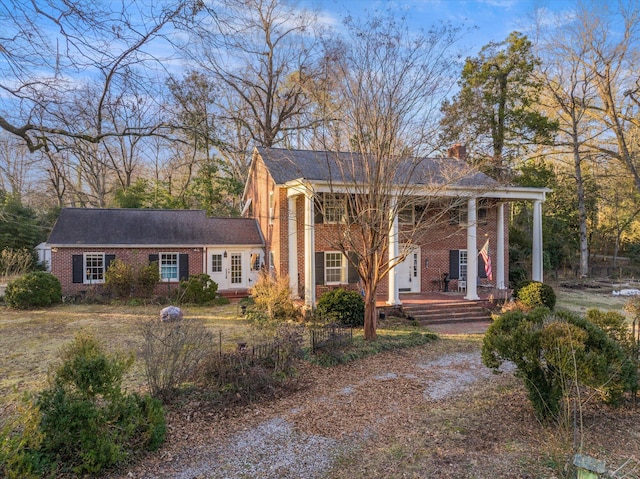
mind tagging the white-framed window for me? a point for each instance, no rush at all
(94, 268)
(216, 263)
(254, 261)
(168, 266)
(463, 264)
(459, 215)
(406, 215)
(335, 267)
(335, 208)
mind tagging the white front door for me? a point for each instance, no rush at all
(408, 272)
(226, 268)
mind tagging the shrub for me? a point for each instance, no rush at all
(272, 302)
(119, 279)
(340, 305)
(36, 289)
(84, 422)
(20, 442)
(123, 280)
(551, 351)
(534, 294)
(147, 277)
(199, 289)
(172, 352)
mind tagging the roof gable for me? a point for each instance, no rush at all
(122, 227)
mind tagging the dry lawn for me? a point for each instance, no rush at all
(427, 412)
(30, 340)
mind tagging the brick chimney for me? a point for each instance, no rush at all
(458, 151)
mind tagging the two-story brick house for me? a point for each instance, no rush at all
(287, 189)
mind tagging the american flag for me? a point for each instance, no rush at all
(484, 252)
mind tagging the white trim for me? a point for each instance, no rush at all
(85, 280)
(343, 268)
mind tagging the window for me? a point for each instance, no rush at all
(216, 263)
(254, 261)
(406, 215)
(94, 267)
(483, 211)
(458, 215)
(335, 208)
(463, 264)
(169, 266)
(335, 268)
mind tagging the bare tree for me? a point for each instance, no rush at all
(53, 50)
(390, 82)
(569, 94)
(613, 56)
(257, 53)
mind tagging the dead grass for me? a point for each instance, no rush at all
(375, 405)
(30, 340)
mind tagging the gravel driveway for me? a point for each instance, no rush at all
(302, 435)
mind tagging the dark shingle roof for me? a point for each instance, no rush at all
(287, 165)
(121, 227)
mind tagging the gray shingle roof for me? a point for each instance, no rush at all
(287, 165)
(121, 227)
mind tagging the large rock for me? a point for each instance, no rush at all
(171, 314)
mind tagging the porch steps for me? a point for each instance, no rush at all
(234, 294)
(448, 312)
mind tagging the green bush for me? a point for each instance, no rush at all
(198, 289)
(119, 279)
(552, 351)
(123, 280)
(535, 294)
(343, 306)
(32, 290)
(88, 423)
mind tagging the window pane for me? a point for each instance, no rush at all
(94, 267)
(216, 263)
(334, 270)
(169, 266)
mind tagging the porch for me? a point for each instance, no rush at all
(447, 313)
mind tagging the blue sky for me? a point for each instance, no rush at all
(492, 20)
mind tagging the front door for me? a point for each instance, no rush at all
(226, 268)
(408, 272)
(235, 270)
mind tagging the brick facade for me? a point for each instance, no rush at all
(62, 265)
(434, 248)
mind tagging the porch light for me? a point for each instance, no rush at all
(225, 254)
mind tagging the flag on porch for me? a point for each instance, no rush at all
(484, 252)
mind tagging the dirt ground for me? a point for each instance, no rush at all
(428, 412)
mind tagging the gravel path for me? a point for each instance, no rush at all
(302, 435)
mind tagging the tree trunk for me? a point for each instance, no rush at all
(582, 209)
(370, 317)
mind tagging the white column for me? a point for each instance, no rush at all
(472, 251)
(536, 253)
(394, 294)
(500, 270)
(309, 256)
(292, 230)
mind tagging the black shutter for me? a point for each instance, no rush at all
(154, 258)
(353, 276)
(320, 267)
(318, 216)
(481, 272)
(183, 265)
(108, 258)
(78, 265)
(454, 264)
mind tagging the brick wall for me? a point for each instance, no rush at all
(62, 266)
